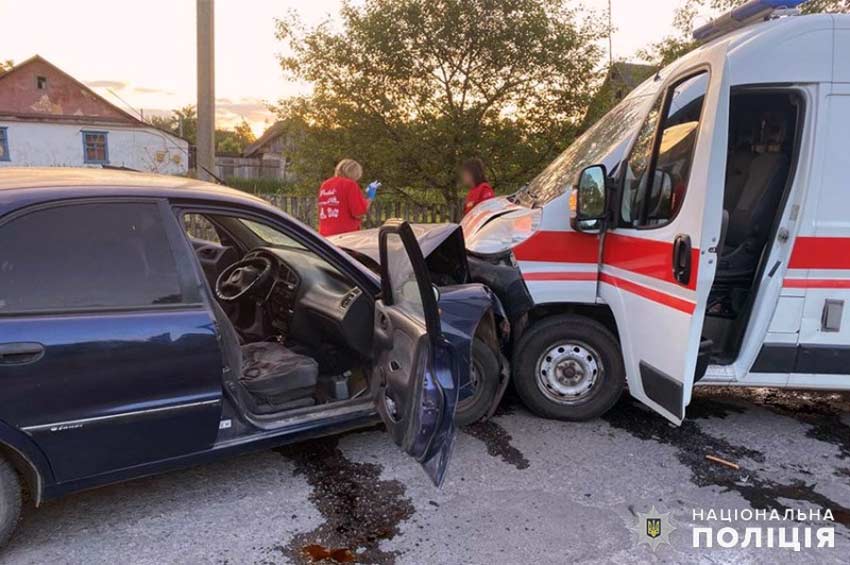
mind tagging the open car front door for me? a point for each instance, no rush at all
(415, 377)
(659, 260)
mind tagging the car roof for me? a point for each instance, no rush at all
(24, 186)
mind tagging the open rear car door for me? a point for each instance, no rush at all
(415, 377)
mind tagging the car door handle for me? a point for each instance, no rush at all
(20, 353)
(682, 259)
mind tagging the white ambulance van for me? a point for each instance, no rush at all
(698, 233)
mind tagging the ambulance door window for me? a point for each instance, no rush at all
(659, 169)
(638, 165)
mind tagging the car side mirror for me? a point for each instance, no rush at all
(590, 200)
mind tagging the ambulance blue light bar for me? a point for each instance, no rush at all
(752, 11)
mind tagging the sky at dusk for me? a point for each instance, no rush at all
(141, 54)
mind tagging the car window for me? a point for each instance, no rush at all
(199, 227)
(658, 171)
(103, 255)
(270, 235)
(402, 277)
(638, 165)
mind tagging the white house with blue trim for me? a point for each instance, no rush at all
(48, 118)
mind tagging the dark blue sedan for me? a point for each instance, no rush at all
(151, 322)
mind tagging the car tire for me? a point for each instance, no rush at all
(568, 367)
(10, 500)
(486, 364)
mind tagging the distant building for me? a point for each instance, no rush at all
(624, 77)
(621, 79)
(48, 118)
(265, 158)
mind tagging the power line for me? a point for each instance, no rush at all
(167, 135)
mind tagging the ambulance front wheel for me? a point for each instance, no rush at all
(568, 367)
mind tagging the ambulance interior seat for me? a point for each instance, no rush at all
(754, 185)
(762, 134)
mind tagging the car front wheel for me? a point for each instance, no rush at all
(477, 396)
(10, 500)
(568, 368)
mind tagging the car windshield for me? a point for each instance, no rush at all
(271, 236)
(605, 143)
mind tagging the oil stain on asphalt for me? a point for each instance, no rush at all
(359, 509)
(822, 411)
(692, 445)
(498, 442)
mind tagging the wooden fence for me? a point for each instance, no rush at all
(304, 208)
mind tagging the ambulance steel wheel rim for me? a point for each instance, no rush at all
(568, 373)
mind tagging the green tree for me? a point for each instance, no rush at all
(244, 133)
(165, 123)
(183, 122)
(674, 46)
(411, 88)
(234, 141)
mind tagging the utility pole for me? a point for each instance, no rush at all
(206, 89)
(610, 37)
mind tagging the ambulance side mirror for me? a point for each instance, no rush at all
(589, 200)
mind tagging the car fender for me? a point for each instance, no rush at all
(463, 308)
(38, 474)
(502, 275)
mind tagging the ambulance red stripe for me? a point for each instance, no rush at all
(561, 276)
(648, 257)
(821, 253)
(816, 283)
(649, 293)
(559, 247)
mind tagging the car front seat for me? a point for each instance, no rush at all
(269, 377)
(277, 375)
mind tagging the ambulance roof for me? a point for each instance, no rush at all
(792, 49)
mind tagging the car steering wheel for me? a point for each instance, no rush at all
(242, 277)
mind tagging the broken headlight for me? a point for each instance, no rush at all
(504, 233)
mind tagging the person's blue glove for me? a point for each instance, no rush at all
(372, 190)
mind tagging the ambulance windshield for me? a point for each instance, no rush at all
(606, 142)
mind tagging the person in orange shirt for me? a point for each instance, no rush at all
(342, 205)
(472, 176)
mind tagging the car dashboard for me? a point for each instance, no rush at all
(312, 302)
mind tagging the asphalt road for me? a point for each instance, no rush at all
(520, 490)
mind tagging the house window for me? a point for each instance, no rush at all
(95, 149)
(4, 145)
(41, 82)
